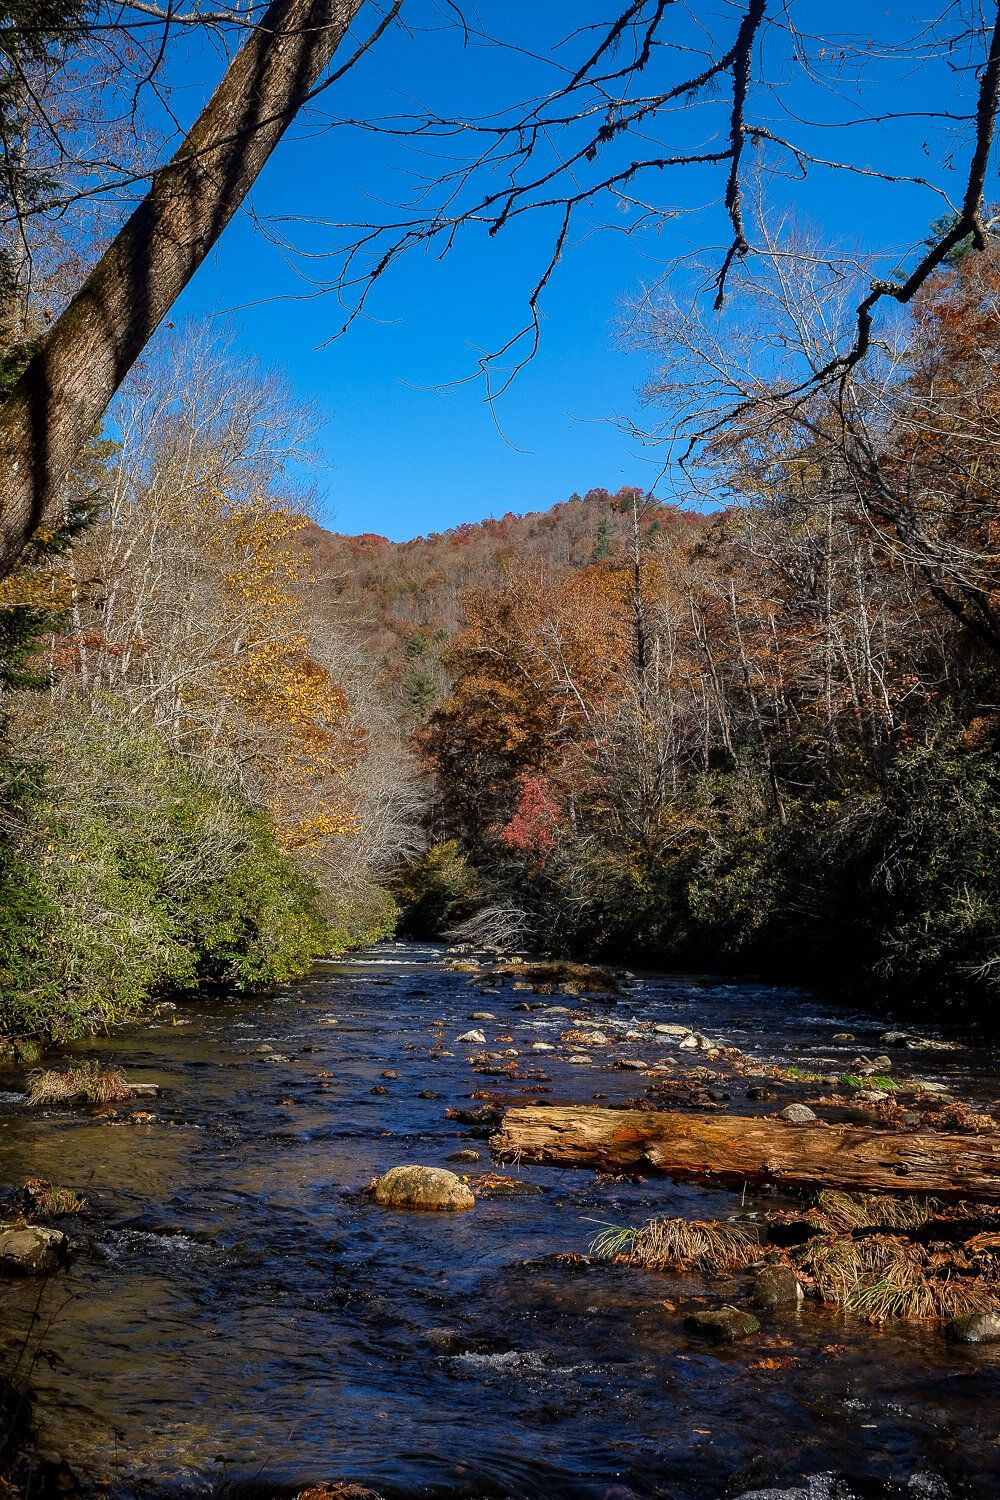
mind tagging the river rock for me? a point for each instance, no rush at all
(486, 1116)
(695, 1041)
(724, 1325)
(845, 1036)
(29, 1250)
(760, 1094)
(776, 1286)
(797, 1114)
(975, 1328)
(482, 1015)
(476, 1038)
(467, 1155)
(636, 1063)
(432, 1188)
(672, 1028)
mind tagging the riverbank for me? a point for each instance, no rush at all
(242, 1314)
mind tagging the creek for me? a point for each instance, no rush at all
(240, 1316)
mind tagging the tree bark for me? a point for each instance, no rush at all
(64, 392)
(735, 1149)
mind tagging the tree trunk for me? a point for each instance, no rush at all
(66, 389)
(735, 1149)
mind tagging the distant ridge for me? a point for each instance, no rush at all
(405, 598)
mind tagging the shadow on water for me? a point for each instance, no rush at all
(241, 1318)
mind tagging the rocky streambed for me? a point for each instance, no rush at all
(240, 1312)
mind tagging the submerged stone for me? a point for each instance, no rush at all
(724, 1325)
(975, 1328)
(445, 1340)
(495, 1185)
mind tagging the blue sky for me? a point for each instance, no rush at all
(400, 452)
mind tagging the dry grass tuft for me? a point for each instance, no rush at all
(838, 1210)
(50, 1202)
(680, 1245)
(87, 1082)
(882, 1277)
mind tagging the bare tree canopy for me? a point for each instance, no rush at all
(656, 120)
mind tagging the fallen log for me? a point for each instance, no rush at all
(753, 1150)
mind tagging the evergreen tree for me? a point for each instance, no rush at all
(602, 540)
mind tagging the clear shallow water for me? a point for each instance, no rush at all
(239, 1314)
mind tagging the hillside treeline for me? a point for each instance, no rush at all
(768, 741)
(200, 783)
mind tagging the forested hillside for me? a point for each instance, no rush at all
(409, 600)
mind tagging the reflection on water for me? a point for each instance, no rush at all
(239, 1313)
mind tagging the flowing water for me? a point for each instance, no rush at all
(239, 1314)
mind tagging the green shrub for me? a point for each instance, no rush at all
(133, 873)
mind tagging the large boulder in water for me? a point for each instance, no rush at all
(433, 1188)
(29, 1250)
